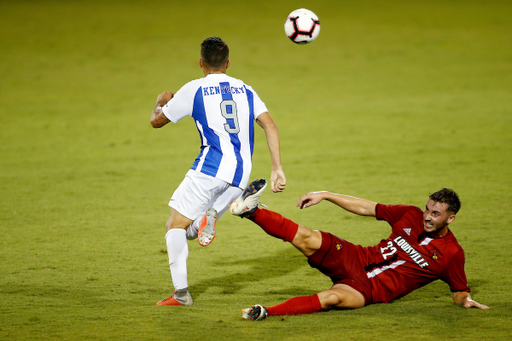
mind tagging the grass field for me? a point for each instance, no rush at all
(392, 102)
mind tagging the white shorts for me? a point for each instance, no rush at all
(198, 192)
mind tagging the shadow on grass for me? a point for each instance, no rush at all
(438, 291)
(258, 269)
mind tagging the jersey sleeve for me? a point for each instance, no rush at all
(181, 104)
(392, 213)
(453, 273)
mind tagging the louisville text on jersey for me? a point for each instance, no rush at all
(407, 248)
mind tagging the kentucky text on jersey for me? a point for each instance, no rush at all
(218, 90)
(407, 248)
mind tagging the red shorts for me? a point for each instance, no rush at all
(343, 262)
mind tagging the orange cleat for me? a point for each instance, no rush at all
(187, 300)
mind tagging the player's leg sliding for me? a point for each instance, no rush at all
(246, 205)
(206, 232)
(294, 306)
(280, 227)
(177, 250)
(275, 224)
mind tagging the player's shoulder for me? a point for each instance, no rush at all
(241, 85)
(395, 213)
(400, 208)
(450, 244)
(237, 82)
(216, 79)
(195, 83)
(450, 238)
(190, 87)
(414, 209)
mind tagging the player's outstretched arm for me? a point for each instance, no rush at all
(158, 119)
(352, 204)
(464, 299)
(277, 177)
(311, 199)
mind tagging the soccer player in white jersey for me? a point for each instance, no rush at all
(224, 110)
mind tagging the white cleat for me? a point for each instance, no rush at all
(255, 313)
(206, 231)
(248, 201)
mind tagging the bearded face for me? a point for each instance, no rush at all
(436, 218)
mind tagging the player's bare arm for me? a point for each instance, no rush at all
(464, 299)
(355, 205)
(158, 119)
(277, 177)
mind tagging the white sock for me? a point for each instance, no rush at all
(193, 229)
(177, 250)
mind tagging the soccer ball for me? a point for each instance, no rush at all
(302, 26)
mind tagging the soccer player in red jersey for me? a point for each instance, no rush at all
(420, 250)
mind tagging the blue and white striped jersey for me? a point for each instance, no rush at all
(224, 110)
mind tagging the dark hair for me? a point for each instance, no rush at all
(214, 52)
(449, 197)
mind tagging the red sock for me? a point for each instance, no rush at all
(296, 306)
(275, 224)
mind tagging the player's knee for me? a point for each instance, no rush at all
(330, 299)
(307, 238)
(177, 221)
(168, 225)
(341, 297)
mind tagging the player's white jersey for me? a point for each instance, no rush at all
(224, 110)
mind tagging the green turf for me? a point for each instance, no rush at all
(393, 101)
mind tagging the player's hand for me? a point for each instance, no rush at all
(277, 181)
(164, 97)
(311, 199)
(469, 303)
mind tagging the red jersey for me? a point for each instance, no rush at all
(409, 258)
